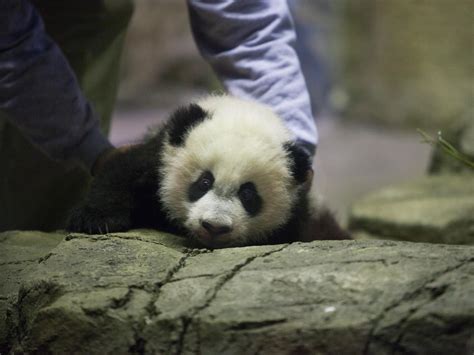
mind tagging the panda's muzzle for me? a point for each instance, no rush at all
(215, 229)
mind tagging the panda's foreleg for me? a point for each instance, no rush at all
(108, 205)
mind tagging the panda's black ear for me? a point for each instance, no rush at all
(182, 121)
(300, 162)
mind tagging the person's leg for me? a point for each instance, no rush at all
(35, 192)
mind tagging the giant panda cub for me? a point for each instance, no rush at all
(223, 171)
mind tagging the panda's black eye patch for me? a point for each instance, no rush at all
(250, 198)
(201, 186)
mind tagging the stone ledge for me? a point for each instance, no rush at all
(435, 209)
(146, 292)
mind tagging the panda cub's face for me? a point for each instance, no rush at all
(226, 178)
(219, 214)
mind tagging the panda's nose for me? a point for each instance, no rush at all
(216, 229)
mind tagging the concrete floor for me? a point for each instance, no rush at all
(352, 160)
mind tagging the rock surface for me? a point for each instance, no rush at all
(436, 209)
(20, 253)
(146, 292)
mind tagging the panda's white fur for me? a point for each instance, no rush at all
(197, 175)
(242, 141)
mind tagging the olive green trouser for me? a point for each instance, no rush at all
(37, 193)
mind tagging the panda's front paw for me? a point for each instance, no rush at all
(91, 221)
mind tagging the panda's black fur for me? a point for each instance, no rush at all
(124, 193)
